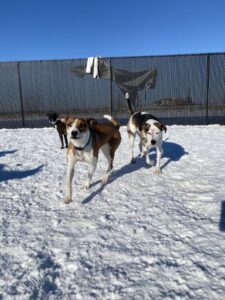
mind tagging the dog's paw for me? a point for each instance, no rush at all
(157, 171)
(86, 185)
(105, 179)
(67, 200)
(149, 162)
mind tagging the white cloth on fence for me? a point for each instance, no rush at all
(95, 70)
(89, 66)
(92, 66)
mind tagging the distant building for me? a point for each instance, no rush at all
(178, 101)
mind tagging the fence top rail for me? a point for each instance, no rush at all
(116, 57)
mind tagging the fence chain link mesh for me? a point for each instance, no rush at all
(189, 89)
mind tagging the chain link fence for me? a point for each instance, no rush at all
(188, 89)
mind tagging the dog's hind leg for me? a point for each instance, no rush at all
(109, 152)
(106, 149)
(131, 136)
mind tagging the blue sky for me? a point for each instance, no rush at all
(31, 30)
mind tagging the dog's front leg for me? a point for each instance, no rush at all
(90, 173)
(158, 160)
(148, 160)
(145, 152)
(61, 139)
(69, 176)
(66, 141)
(142, 144)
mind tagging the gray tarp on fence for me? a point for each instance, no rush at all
(127, 81)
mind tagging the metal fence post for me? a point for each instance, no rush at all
(111, 102)
(207, 89)
(21, 94)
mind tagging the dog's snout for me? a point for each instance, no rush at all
(74, 133)
(153, 142)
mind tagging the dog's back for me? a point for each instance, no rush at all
(138, 119)
(106, 131)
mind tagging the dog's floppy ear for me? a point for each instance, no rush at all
(67, 120)
(161, 126)
(146, 127)
(82, 124)
(91, 122)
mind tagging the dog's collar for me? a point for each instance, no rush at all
(82, 148)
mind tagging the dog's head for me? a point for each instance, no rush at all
(152, 132)
(52, 117)
(76, 128)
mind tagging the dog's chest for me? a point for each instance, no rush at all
(86, 156)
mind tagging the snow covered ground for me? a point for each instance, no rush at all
(142, 236)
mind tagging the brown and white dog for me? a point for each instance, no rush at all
(150, 131)
(85, 142)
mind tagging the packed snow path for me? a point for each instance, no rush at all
(142, 236)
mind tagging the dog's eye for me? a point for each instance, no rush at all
(149, 133)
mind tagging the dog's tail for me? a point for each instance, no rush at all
(112, 120)
(130, 109)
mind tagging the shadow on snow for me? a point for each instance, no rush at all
(3, 153)
(222, 217)
(10, 174)
(172, 151)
